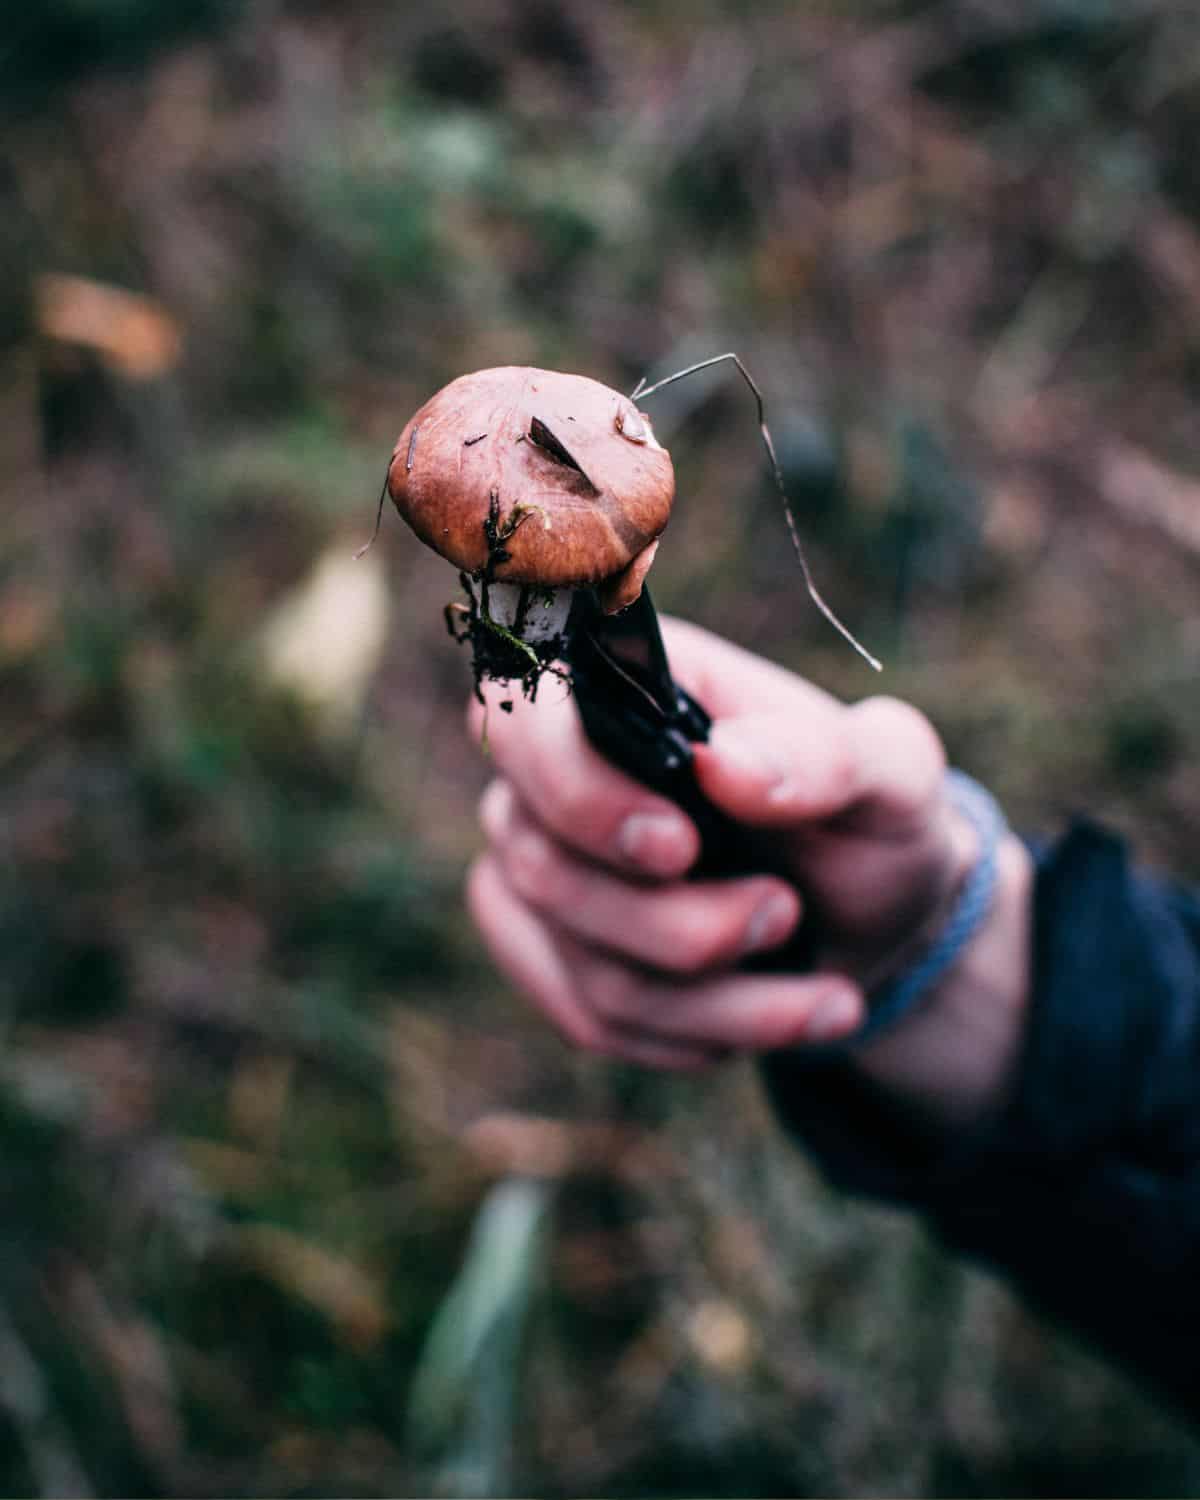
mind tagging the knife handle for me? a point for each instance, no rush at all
(660, 757)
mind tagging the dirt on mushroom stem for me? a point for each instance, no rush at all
(517, 632)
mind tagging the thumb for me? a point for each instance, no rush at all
(767, 771)
(879, 758)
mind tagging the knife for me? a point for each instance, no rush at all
(639, 718)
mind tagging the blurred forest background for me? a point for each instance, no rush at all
(294, 1197)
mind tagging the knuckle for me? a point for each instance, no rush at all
(495, 808)
(574, 804)
(897, 723)
(537, 870)
(700, 938)
(897, 719)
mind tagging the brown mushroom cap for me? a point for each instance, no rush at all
(571, 464)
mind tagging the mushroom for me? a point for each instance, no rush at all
(533, 483)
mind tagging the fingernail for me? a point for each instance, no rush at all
(770, 923)
(657, 842)
(750, 757)
(833, 1016)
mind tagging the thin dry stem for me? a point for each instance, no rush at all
(366, 547)
(643, 390)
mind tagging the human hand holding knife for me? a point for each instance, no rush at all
(631, 906)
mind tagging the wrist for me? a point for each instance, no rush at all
(954, 1057)
(972, 830)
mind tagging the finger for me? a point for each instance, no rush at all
(879, 760)
(743, 1012)
(527, 951)
(730, 681)
(680, 927)
(496, 809)
(596, 809)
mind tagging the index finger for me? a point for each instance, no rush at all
(596, 809)
(585, 801)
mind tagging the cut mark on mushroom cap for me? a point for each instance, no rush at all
(545, 439)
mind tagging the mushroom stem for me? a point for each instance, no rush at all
(532, 613)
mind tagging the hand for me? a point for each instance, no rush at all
(582, 899)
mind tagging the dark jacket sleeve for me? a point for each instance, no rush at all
(1087, 1191)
